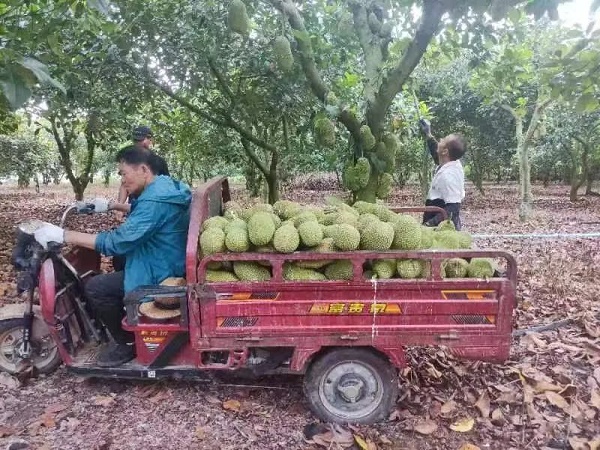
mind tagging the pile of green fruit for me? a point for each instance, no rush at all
(288, 227)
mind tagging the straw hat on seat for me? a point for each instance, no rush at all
(163, 308)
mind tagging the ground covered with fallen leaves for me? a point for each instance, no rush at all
(547, 396)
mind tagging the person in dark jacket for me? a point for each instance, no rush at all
(447, 188)
(153, 240)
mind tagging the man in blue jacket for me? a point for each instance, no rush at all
(153, 240)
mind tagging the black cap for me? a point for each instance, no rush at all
(141, 133)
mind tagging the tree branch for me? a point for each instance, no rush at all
(535, 118)
(226, 120)
(393, 82)
(255, 159)
(307, 61)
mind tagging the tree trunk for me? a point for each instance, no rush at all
(578, 181)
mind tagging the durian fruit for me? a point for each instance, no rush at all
(324, 132)
(237, 17)
(367, 138)
(212, 241)
(283, 54)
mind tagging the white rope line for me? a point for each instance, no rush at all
(539, 235)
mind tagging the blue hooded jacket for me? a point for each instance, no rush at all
(153, 238)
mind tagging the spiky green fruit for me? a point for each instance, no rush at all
(454, 268)
(447, 240)
(410, 268)
(367, 138)
(324, 132)
(446, 225)
(407, 233)
(220, 276)
(356, 177)
(311, 233)
(377, 236)
(340, 270)
(384, 268)
(480, 268)
(427, 235)
(215, 221)
(236, 240)
(384, 186)
(326, 246)
(345, 237)
(251, 271)
(283, 54)
(464, 239)
(237, 17)
(286, 239)
(212, 241)
(292, 272)
(261, 228)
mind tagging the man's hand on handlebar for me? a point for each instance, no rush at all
(96, 205)
(48, 233)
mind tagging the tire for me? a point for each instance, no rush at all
(351, 385)
(45, 357)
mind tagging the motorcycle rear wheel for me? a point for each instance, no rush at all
(44, 356)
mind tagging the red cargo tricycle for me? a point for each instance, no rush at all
(347, 338)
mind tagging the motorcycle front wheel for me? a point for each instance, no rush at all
(44, 352)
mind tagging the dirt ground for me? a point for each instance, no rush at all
(546, 396)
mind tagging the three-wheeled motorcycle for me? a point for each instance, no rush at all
(347, 337)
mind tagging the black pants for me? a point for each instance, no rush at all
(105, 295)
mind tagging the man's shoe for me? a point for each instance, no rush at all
(115, 355)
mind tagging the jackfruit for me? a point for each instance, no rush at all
(237, 17)
(427, 235)
(251, 271)
(220, 276)
(364, 207)
(235, 223)
(261, 228)
(326, 246)
(311, 233)
(347, 218)
(384, 186)
(292, 272)
(324, 132)
(286, 209)
(446, 225)
(329, 230)
(364, 220)
(286, 239)
(345, 237)
(384, 268)
(377, 236)
(346, 26)
(367, 138)
(374, 23)
(447, 240)
(480, 268)
(464, 239)
(283, 54)
(236, 240)
(212, 241)
(356, 177)
(392, 145)
(454, 268)
(341, 269)
(331, 99)
(385, 214)
(407, 233)
(306, 216)
(410, 268)
(232, 210)
(276, 220)
(215, 221)
(385, 155)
